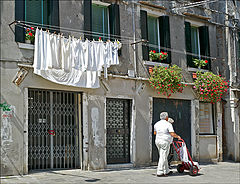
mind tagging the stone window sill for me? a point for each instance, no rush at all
(26, 46)
(150, 63)
(190, 69)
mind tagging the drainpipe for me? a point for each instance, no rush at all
(134, 40)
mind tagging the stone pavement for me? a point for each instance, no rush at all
(222, 172)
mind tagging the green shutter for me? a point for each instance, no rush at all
(188, 43)
(114, 19)
(33, 11)
(54, 13)
(19, 15)
(144, 32)
(88, 19)
(164, 29)
(204, 44)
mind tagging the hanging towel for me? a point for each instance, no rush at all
(71, 61)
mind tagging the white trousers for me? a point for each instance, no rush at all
(163, 149)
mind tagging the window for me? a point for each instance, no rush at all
(100, 22)
(36, 11)
(153, 33)
(101, 19)
(205, 118)
(156, 30)
(197, 43)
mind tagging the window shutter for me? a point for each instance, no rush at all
(204, 44)
(19, 15)
(88, 19)
(114, 19)
(33, 11)
(188, 43)
(144, 32)
(164, 29)
(54, 13)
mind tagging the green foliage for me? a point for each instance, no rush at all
(210, 87)
(200, 63)
(30, 34)
(157, 56)
(166, 80)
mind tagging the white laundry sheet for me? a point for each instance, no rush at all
(72, 61)
(184, 155)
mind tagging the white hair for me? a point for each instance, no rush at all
(163, 115)
(170, 120)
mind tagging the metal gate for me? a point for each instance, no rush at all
(118, 130)
(53, 129)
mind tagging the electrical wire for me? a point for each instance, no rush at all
(126, 42)
(57, 28)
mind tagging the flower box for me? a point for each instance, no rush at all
(156, 57)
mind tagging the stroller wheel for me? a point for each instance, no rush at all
(193, 171)
(180, 168)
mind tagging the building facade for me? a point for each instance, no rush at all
(45, 125)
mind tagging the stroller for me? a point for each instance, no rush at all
(184, 155)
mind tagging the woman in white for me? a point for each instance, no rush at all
(164, 133)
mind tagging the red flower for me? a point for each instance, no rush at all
(27, 29)
(32, 28)
(154, 51)
(160, 56)
(99, 38)
(30, 34)
(206, 61)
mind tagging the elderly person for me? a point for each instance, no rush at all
(164, 133)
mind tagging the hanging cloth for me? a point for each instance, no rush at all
(71, 61)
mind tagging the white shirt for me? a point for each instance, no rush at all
(162, 129)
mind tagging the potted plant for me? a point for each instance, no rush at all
(200, 63)
(29, 35)
(166, 80)
(154, 56)
(209, 87)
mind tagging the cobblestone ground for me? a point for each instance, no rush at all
(223, 172)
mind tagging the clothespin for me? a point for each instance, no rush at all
(80, 38)
(54, 32)
(61, 34)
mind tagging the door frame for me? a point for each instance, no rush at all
(132, 128)
(25, 126)
(194, 125)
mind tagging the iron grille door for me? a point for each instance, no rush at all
(50, 111)
(118, 130)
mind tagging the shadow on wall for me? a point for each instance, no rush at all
(11, 128)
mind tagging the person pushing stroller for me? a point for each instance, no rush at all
(164, 132)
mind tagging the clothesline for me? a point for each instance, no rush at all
(123, 41)
(57, 28)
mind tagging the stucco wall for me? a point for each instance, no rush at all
(208, 148)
